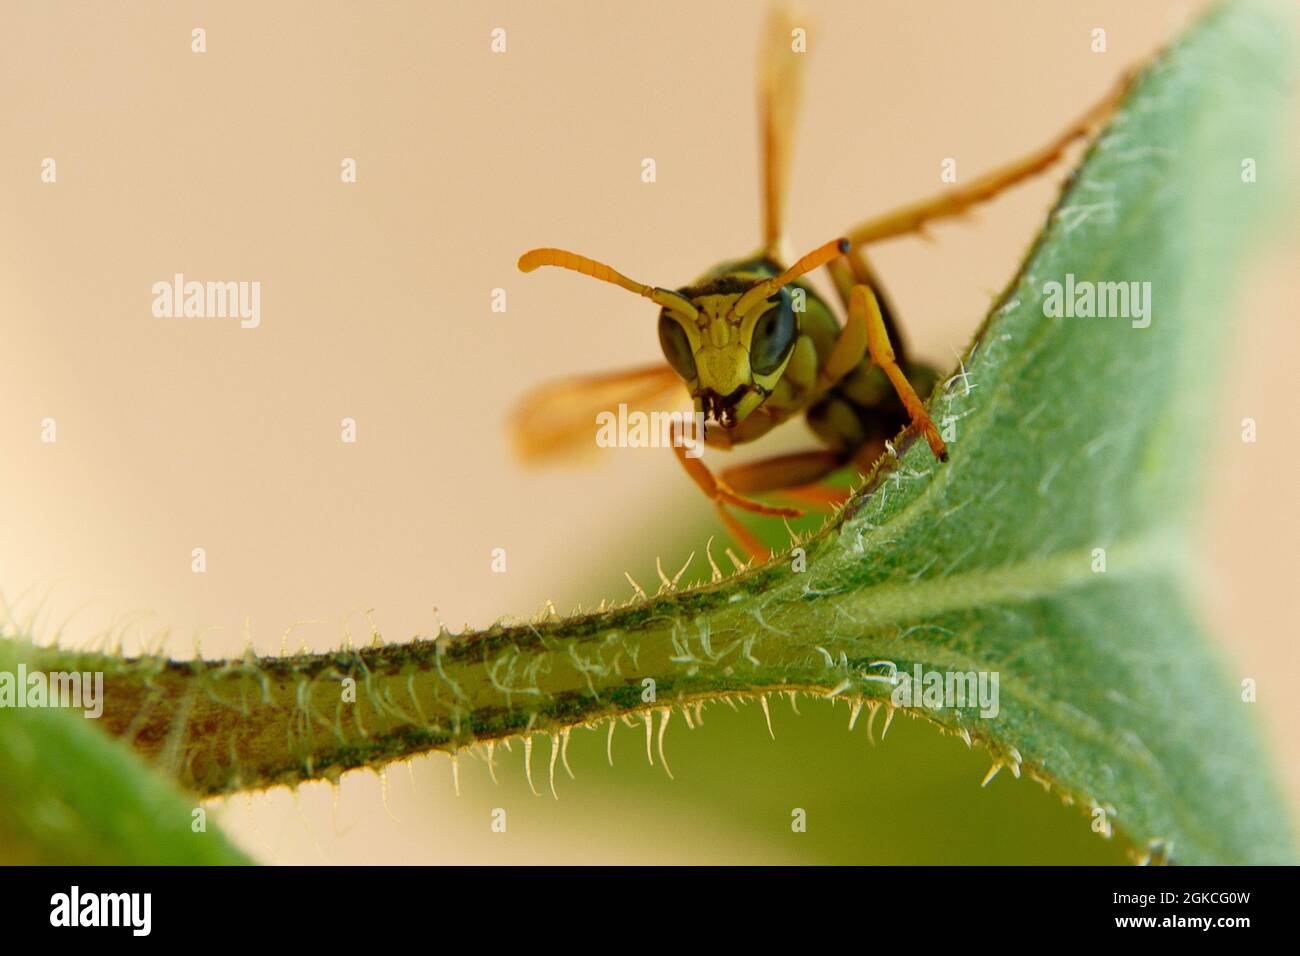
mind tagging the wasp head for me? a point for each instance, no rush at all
(730, 362)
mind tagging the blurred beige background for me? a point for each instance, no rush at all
(176, 434)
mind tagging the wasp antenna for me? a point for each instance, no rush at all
(763, 290)
(564, 259)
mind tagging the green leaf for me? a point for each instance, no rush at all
(1077, 440)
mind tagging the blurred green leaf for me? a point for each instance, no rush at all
(71, 795)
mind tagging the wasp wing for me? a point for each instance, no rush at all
(557, 420)
(779, 91)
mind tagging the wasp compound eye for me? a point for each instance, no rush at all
(774, 336)
(676, 346)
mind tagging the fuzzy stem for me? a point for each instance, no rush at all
(220, 726)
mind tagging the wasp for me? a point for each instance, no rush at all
(754, 345)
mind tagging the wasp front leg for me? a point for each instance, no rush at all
(854, 268)
(717, 489)
(882, 353)
(722, 494)
(865, 333)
